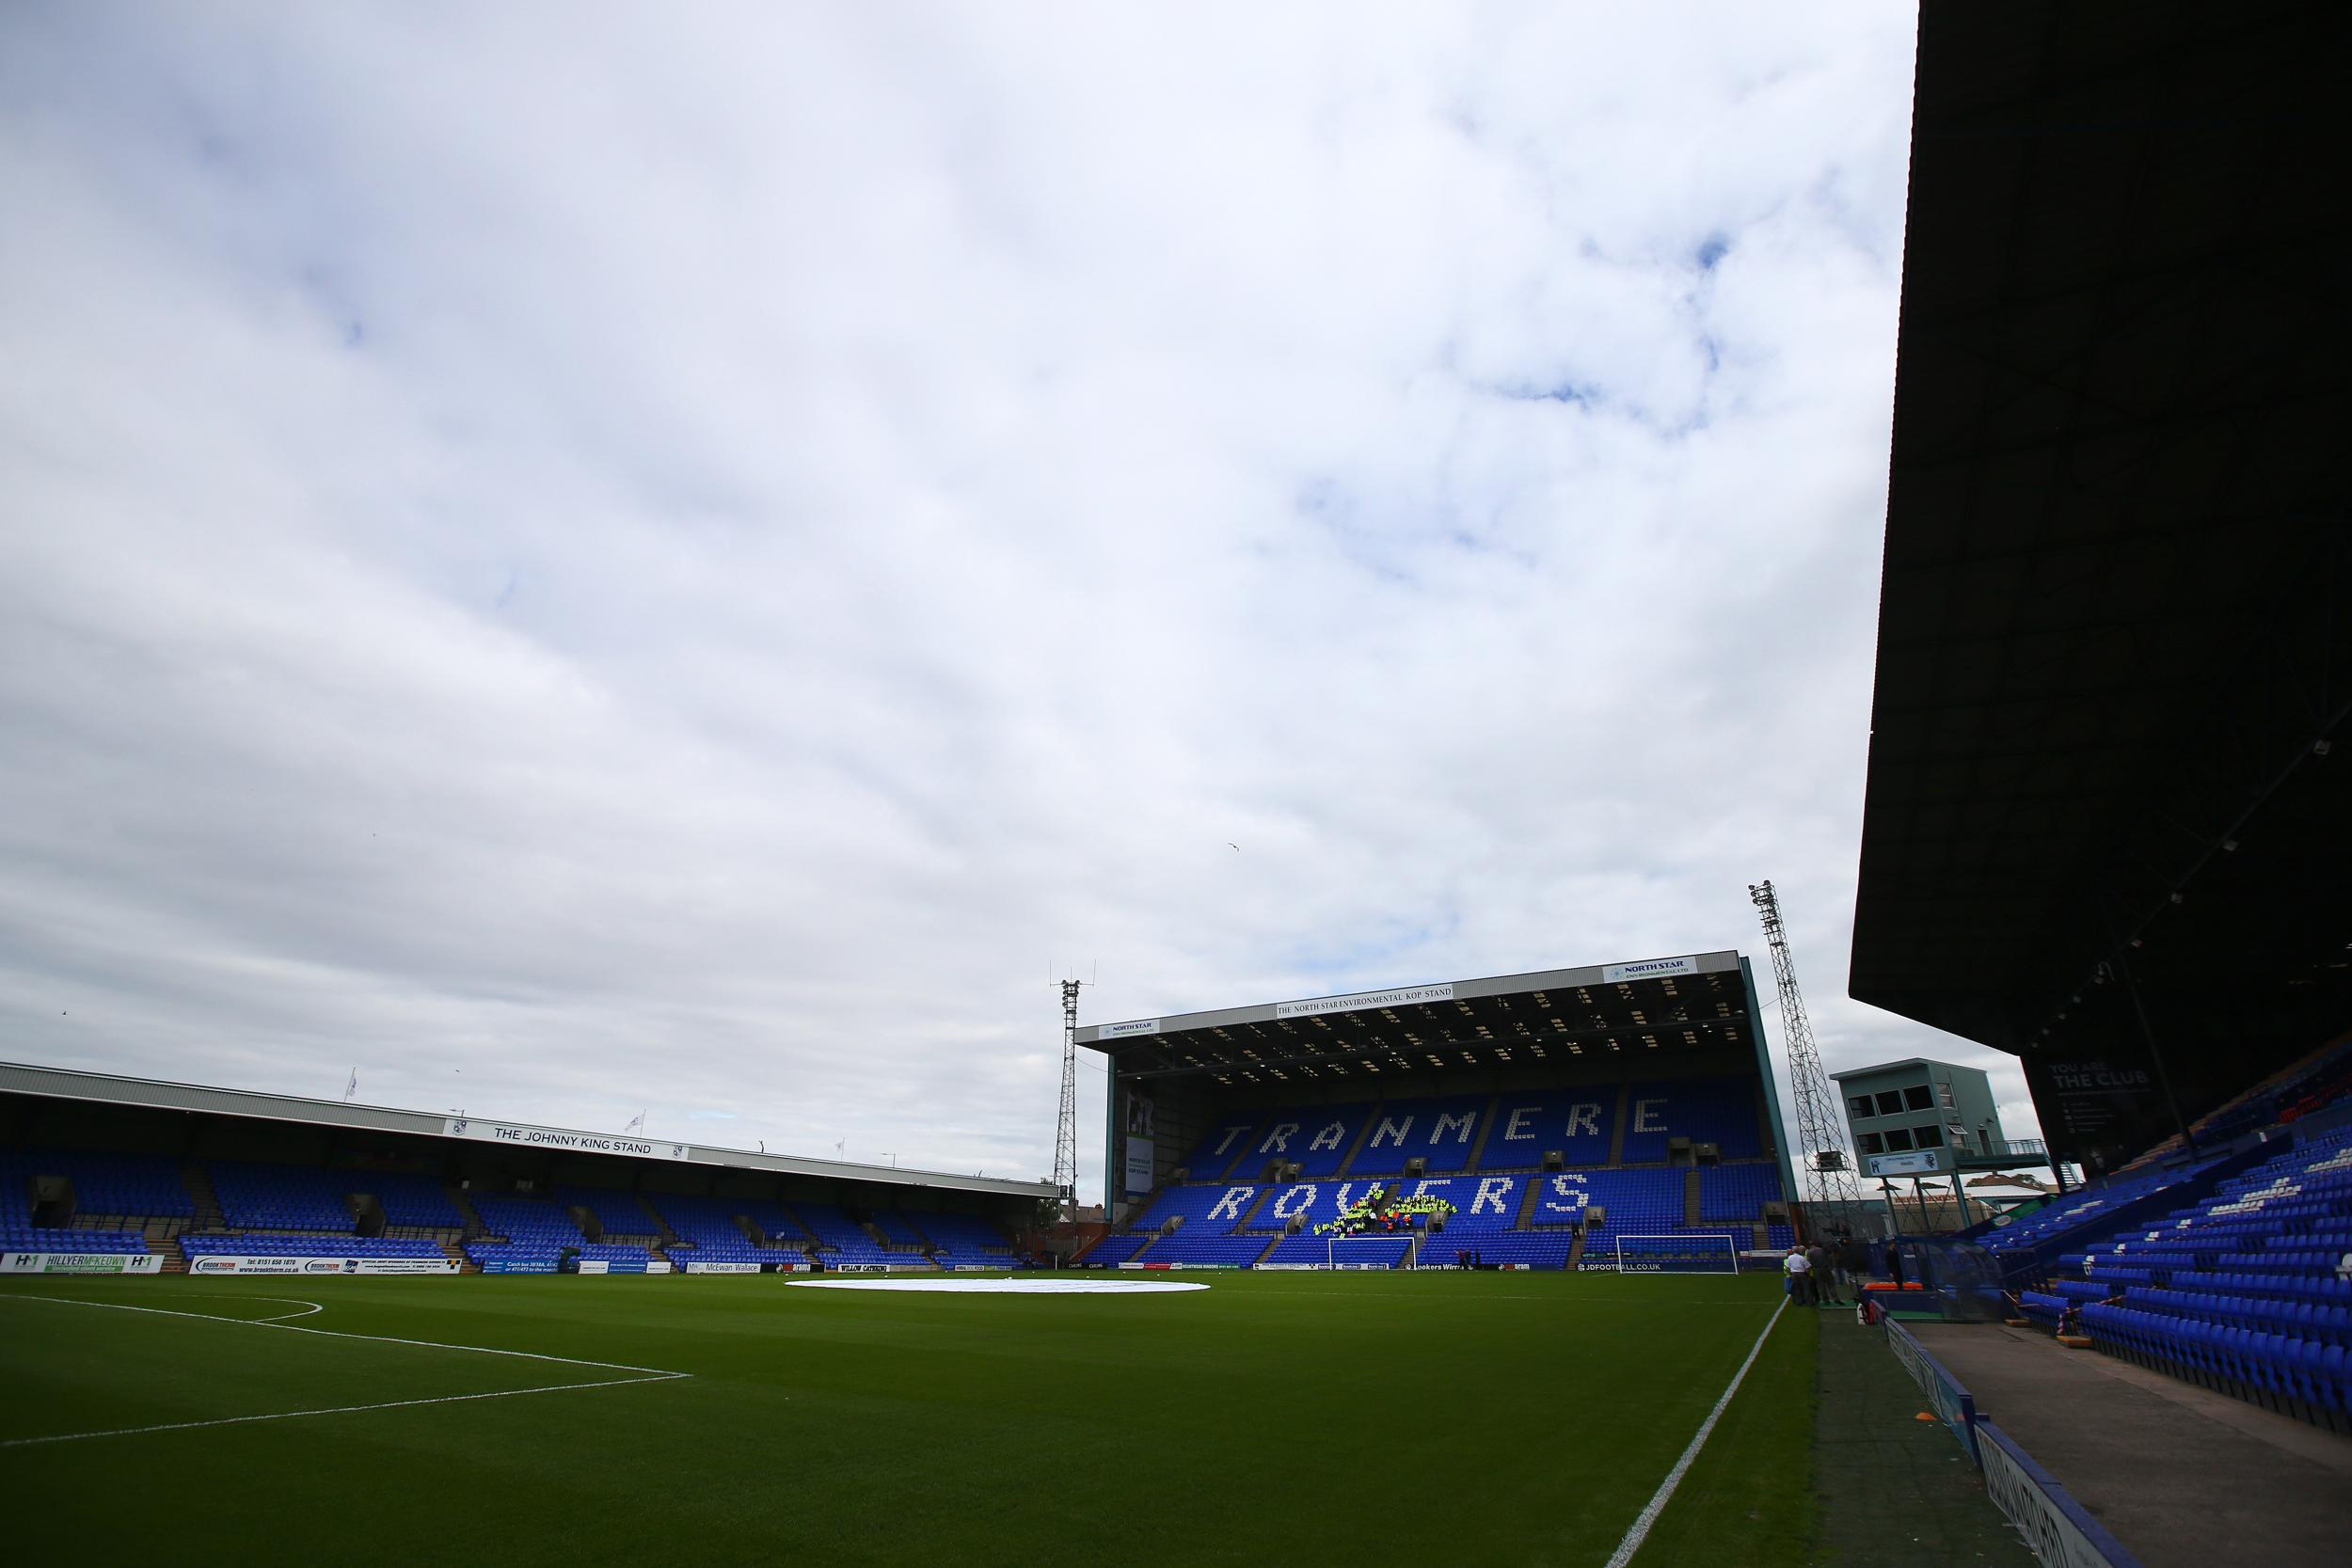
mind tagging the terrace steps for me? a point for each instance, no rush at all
(465, 1210)
(1486, 1129)
(200, 1183)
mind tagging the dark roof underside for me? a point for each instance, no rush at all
(1664, 1016)
(2115, 638)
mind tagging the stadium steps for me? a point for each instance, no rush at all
(1616, 1128)
(1486, 1129)
(466, 1212)
(200, 1184)
(662, 1226)
(1356, 1145)
(1524, 1219)
(158, 1237)
(451, 1249)
(1691, 1196)
(1575, 1251)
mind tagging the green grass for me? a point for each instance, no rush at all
(1370, 1419)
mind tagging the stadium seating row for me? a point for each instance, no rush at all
(122, 1185)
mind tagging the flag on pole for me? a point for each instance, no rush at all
(352, 1088)
(636, 1123)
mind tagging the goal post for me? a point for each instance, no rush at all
(1690, 1253)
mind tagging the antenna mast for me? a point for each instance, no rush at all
(1066, 1127)
(1821, 1129)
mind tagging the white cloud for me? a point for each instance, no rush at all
(693, 561)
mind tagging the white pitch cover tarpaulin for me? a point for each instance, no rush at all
(1006, 1287)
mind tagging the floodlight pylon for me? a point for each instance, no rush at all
(1829, 1165)
(1066, 1126)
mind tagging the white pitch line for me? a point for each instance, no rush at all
(332, 1410)
(345, 1334)
(307, 1306)
(1639, 1532)
(650, 1374)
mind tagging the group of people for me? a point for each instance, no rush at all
(1823, 1274)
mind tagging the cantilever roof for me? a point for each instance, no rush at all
(1687, 1002)
(2115, 635)
(155, 1094)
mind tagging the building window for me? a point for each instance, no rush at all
(1930, 1137)
(1860, 1105)
(1890, 1103)
(1897, 1140)
(1873, 1144)
(1958, 1135)
(1917, 1098)
(1944, 1096)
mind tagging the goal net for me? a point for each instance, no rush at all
(1685, 1254)
(1383, 1251)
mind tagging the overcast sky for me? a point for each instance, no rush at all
(692, 558)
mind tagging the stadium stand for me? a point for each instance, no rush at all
(1737, 1194)
(1578, 1124)
(840, 1239)
(412, 1200)
(1720, 1110)
(2247, 1291)
(898, 1229)
(1441, 1133)
(1360, 1252)
(1117, 1249)
(1224, 1146)
(19, 1234)
(968, 1239)
(618, 1211)
(1187, 1247)
(307, 1245)
(1314, 1203)
(255, 1197)
(2022, 1243)
(536, 1232)
(1218, 1206)
(709, 1226)
(1488, 1156)
(106, 1186)
(527, 1219)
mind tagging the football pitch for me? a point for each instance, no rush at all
(1362, 1419)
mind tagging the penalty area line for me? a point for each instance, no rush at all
(331, 1410)
(644, 1374)
(346, 1333)
(1658, 1499)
